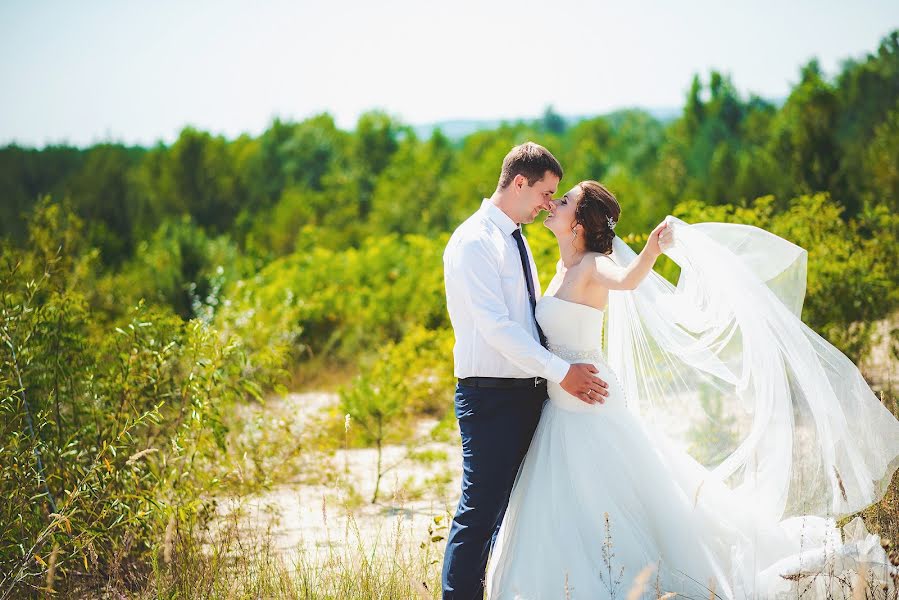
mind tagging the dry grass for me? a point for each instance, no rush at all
(321, 375)
(883, 517)
(237, 564)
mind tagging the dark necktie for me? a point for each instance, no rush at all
(532, 296)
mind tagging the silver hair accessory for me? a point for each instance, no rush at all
(612, 223)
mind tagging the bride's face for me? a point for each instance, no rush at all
(561, 216)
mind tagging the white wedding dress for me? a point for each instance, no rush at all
(607, 490)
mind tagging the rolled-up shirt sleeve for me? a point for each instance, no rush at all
(475, 274)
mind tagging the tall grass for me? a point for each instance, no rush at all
(235, 563)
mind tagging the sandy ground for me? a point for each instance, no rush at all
(879, 367)
(318, 518)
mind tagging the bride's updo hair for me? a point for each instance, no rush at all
(595, 206)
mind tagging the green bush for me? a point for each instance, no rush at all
(108, 431)
(341, 303)
(180, 266)
(407, 380)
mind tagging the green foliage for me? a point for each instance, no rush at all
(197, 177)
(882, 164)
(804, 139)
(413, 376)
(180, 266)
(106, 197)
(26, 176)
(339, 303)
(282, 228)
(109, 429)
(410, 195)
(407, 379)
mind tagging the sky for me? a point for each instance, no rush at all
(139, 71)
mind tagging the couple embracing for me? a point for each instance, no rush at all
(577, 472)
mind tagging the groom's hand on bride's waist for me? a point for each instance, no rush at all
(581, 382)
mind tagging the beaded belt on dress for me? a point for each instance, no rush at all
(591, 355)
(570, 354)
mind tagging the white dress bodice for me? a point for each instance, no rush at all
(570, 326)
(574, 333)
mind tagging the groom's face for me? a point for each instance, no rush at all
(534, 198)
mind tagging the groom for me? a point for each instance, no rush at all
(500, 359)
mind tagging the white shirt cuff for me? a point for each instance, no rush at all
(557, 369)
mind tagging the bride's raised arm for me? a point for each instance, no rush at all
(610, 275)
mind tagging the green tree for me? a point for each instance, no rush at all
(410, 194)
(882, 166)
(552, 122)
(103, 196)
(803, 138)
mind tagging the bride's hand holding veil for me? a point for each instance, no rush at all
(614, 275)
(661, 238)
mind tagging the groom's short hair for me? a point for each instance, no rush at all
(531, 160)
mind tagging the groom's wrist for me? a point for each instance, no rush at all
(556, 370)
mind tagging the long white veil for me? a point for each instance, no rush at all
(724, 367)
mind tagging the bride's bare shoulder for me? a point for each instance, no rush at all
(597, 261)
(586, 269)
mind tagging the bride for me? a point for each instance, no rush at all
(732, 438)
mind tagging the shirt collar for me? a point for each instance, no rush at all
(501, 219)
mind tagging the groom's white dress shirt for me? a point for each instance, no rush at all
(487, 300)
